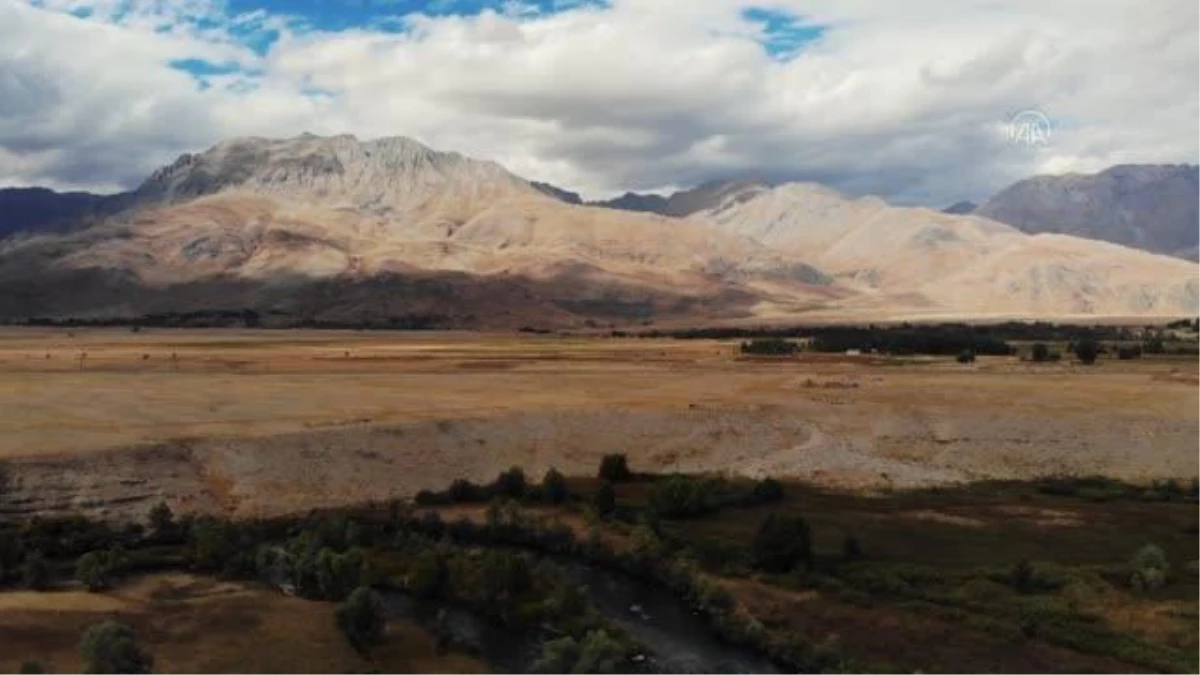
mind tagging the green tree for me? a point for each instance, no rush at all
(511, 483)
(554, 487)
(605, 499)
(782, 543)
(966, 356)
(32, 667)
(35, 573)
(111, 647)
(211, 543)
(162, 520)
(96, 569)
(680, 496)
(506, 575)
(360, 618)
(1087, 350)
(614, 468)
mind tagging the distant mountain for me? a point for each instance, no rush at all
(42, 209)
(678, 204)
(557, 192)
(685, 202)
(1151, 207)
(961, 208)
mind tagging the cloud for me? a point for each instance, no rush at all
(905, 100)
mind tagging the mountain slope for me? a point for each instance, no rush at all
(1152, 207)
(933, 262)
(255, 213)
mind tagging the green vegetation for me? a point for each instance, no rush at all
(111, 647)
(596, 653)
(32, 667)
(770, 347)
(360, 618)
(1087, 350)
(614, 468)
(980, 577)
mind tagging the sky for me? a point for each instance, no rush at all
(919, 102)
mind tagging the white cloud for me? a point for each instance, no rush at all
(907, 100)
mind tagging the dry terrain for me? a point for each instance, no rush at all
(196, 624)
(109, 422)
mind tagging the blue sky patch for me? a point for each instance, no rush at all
(785, 34)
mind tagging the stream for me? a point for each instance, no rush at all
(678, 640)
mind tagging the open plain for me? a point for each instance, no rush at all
(109, 422)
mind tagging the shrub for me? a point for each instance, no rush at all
(162, 520)
(966, 356)
(1150, 568)
(782, 543)
(597, 653)
(605, 500)
(511, 483)
(428, 576)
(554, 487)
(680, 496)
(96, 569)
(770, 347)
(462, 490)
(614, 468)
(361, 619)
(1086, 350)
(111, 647)
(1022, 577)
(32, 668)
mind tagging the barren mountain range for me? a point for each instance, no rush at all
(336, 229)
(1152, 207)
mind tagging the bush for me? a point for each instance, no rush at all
(614, 468)
(111, 647)
(97, 569)
(428, 576)
(680, 496)
(361, 619)
(162, 520)
(851, 549)
(32, 667)
(770, 347)
(767, 491)
(597, 653)
(1150, 569)
(511, 483)
(605, 500)
(554, 487)
(462, 490)
(966, 356)
(782, 543)
(1087, 350)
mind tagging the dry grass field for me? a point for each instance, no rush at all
(109, 422)
(195, 624)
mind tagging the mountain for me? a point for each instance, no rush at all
(558, 193)
(684, 202)
(303, 226)
(1151, 207)
(961, 208)
(678, 204)
(340, 231)
(24, 209)
(929, 262)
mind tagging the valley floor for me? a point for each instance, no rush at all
(109, 421)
